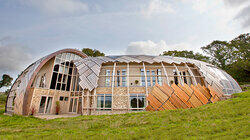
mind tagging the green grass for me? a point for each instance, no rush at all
(222, 120)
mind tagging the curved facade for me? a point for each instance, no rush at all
(106, 85)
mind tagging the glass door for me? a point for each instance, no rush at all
(45, 105)
(73, 105)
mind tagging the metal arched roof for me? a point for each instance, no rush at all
(26, 78)
(211, 73)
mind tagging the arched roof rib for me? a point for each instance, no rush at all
(89, 69)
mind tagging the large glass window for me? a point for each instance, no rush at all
(137, 101)
(104, 101)
(63, 72)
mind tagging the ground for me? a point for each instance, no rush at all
(223, 120)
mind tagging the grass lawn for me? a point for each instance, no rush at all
(223, 120)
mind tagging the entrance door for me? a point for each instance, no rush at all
(73, 105)
(45, 105)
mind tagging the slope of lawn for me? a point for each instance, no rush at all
(223, 120)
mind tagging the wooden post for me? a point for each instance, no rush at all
(113, 82)
(165, 72)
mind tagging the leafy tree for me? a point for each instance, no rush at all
(232, 56)
(240, 67)
(187, 54)
(6, 81)
(220, 53)
(92, 52)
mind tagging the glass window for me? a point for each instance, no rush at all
(137, 101)
(42, 104)
(66, 98)
(153, 78)
(63, 71)
(61, 98)
(148, 78)
(175, 77)
(142, 78)
(184, 77)
(107, 81)
(159, 78)
(104, 101)
(124, 81)
(118, 78)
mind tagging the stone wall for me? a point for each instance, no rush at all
(39, 92)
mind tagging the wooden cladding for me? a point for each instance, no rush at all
(167, 97)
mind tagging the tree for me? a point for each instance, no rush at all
(92, 52)
(240, 67)
(232, 56)
(220, 53)
(6, 81)
(187, 54)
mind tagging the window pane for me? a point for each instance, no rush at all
(118, 78)
(108, 101)
(42, 104)
(175, 77)
(63, 86)
(100, 101)
(124, 77)
(61, 69)
(68, 83)
(58, 86)
(71, 104)
(107, 81)
(53, 81)
(49, 103)
(141, 100)
(60, 78)
(159, 78)
(133, 101)
(142, 78)
(75, 104)
(56, 68)
(61, 98)
(153, 78)
(148, 77)
(57, 61)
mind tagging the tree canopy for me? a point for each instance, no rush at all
(92, 52)
(6, 81)
(187, 54)
(232, 56)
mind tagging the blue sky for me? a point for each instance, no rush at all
(31, 29)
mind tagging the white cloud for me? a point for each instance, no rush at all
(57, 7)
(157, 7)
(151, 48)
(13, 56)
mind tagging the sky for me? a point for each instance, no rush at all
(31, 29)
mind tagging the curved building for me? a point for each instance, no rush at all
(115, 84)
